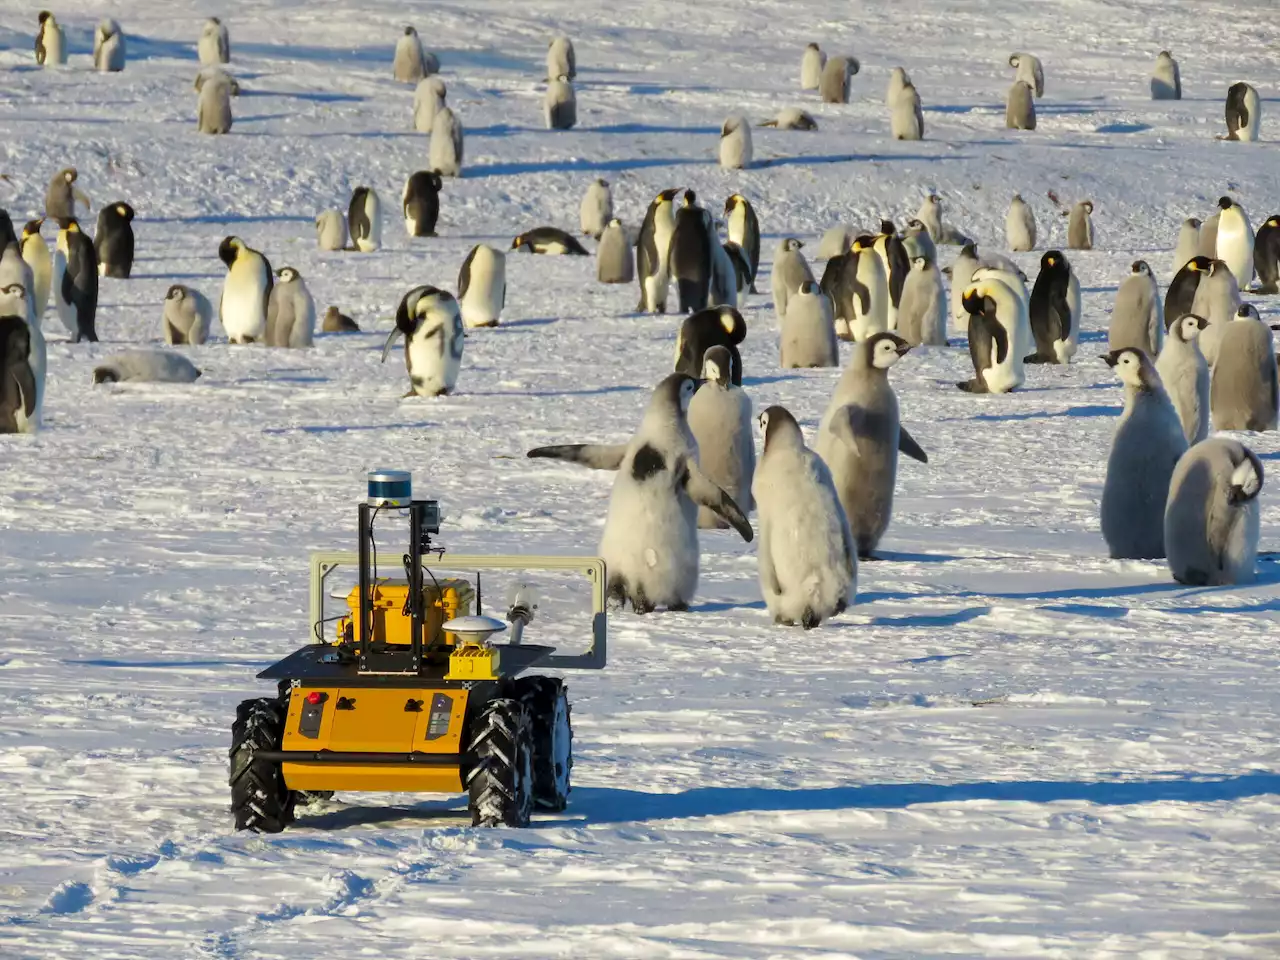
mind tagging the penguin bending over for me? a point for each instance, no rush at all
(833, 85)
(691, 254)
(108, 47)
(650, 541)
(482, 286)
(431, 324)
(735, 143)
(214, 46)
(445, 153)
(1020, 225)
(113, 242)
(428, 100)
(811, 64)
(243, 307)
(597, 208)
(744, 230)
(188, 315)
(809, 330)
(713, 327)
(1020, 108)
(60, 199)
(36, 254)
(291, 313)
(653, 247)
(1188, 244)
(420, 203)
(1266, 256)
(790, 270)
(51, 41)
(1054, 311)
(76, 289)
(1185, 376)
(1211, 522)
(549, 240)
(19, 411)
(835, 241)
(1243, 390)
(560, 105)
(213, 103)
(720, 418)
(997, 336)
(807, 560)
(146, 366)
(1244, 112)
(1144, 451)
(1166, 80)
(1080, 226)
(922, 314)
(1029, 71)
(337, 322)
(561, 59)
(1234, 243)
(331, 230)
(614, 261)
(1137, 319)
(792, 118)
(364, 219)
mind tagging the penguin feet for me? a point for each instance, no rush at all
(972, 386)
(809, 619)
(640, 603)
(680, 606)
(869, 557)
(841, 607)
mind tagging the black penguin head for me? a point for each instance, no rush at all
(229, 249)
(974, 300)
(863, 243)
(521, 241)
(410, 32)
(777, 424)
(1013, 59)
(716, 365)
(1199, 264)
(287, 274)
(887, 229)
(1140, 266)
(1188, 327)
(920, 263)
(969, 250)
(809, 287)
(1054, 262)
(1273, 221)
(1132, 366)
(666, 196)
(1166, 55)
(885, 349)
(675, 391)
(1193, 222)
(69, 224)
(1247, 311)
(14, 290)
(690, 198)
(106, 375)
(69, 175)
(123, 211)
(44, 15)
(812, 46)
(1088, 206)
(732, 203)
(32, 228)
(733, 325)
(176, 292)
(1225, 203)
(791, 243)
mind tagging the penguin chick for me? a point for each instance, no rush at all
(811, 63)
(720, 418)
(906, 118)
(1211, 522)
(834, 82)
(213, 104)
(1137, 319)
(409, 64)
(1185, 376)
(1020, 108)
(790, 269)
(62, 194)
(214, 45)
(561, 58)
(597, 208)
(428, 100)
(482, 286)
(808, 332)
(735, 143)
(188, 315)
(1080, 226)
(108, 47)
(1029, 71)
(1020, 225)
(337, 322)
(922, 313)
(146, 366)
(1166, 81)
(445, 153)
(614, 260)
(1243, 389)
(1187, 246)
(792, 118)
(291, 313)
(560, 106)
(331, 230)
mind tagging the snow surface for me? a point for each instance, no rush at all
(1010, 747)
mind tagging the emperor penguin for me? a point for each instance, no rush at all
(744, 230)
(1244, 112)
(561, 59)
(898, 81)
(1266, 256)
(1181, 295)
(482, 286)
(19, 388)
(713, 327)
(1144, 451)
(36, 254)
(1014, 281)
(1166, 81)
(811, 63)
(445, 154)
(1211, 522)
(930, 214)
(961, 270)
(833, 85)
(76, 291)
(16, 301)
(1243, 393)
(1137, 319)
(560, 105)
(650, 541)
(1185, 376)
(1020, 107)
(997, 336)
(859, 290)
(336, 321)
(922, 314)
(790, 270)
(691, 251)
(213, 104)
(906, 118)
(60, 199)
(653, 247)
(835, 241)
(428, 100)
(146, 366)
(1054, 311)
(210, 74)
(243, 307)
(792, 118)
(420, 203)
(596, 209)
(730, 272)
(214, 46)
(1080, 226)
(17, 275)
(108, 47)
(51, 41)
(897, 264)
(364, 219)
(431, 324)
(1188, 244)
(860, 437)
(1217, 300)
(735, 143)
(720, 418)
(188, 315)
(807, 560)
(1020, 225)
(1208, 246)
(1235, 241)
(614, 260)
(410, 62)
(549, 240)
(291, 312)
(1029, 71)
(113, 241)
(809, 330)
(331, 230)
(917, 241)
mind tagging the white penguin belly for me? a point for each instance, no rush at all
(651, 540)
(243, 302)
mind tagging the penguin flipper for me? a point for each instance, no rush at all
(908, 445)
(706, 494)
(464, 275)
(852, 421)
(597, 456)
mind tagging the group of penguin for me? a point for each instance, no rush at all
(691, 463)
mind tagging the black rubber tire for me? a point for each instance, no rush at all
(546, 700)
(500, 784)
(259, 798)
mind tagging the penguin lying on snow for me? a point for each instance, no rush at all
(549, 240)
(792, 118)
(146, 366)
(650, 542)
(429, 320)
(713, 327)
(1211, 522)
(338, 322)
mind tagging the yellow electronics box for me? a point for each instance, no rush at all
(442, 600)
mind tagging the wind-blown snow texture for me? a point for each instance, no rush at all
(1011, 746)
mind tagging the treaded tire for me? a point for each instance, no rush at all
(500, 785)
(546, 699)
(259, 798)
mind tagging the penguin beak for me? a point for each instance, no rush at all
(904, 349)
(391, 338)
(1111, 359)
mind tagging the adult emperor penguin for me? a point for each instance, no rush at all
(243, 307)
(1147, 444)
(1181, 295)
(1185, 376)
(1020, 107)
(51, 41)
(561, 58)
(1217, 300)
(720, 418)
(1243, 391)
(1266, 256)
(482, 286)
(596, 209)
(113, 241)
(146, 366)
(922, 314)
(1166, 80)
(549, 240)
(691, 252)
(653, 247)
(1020, 225)
(61, 196)
(108, 47)
(650, 541)
(791, 118)
(735, 143)
(291, 312)
(859, 290)
(811, 63)
(1211, 522)
(997, 336)
(1188, 244)
(15, 300)
(36, 254)
(790, 270)
(19, 389)
(809, 330)
(861, 435)
(410, 62)
(445, 153)
(614, 260)
(335, 321)
(713, 327)
(744, 230)
(560, 104)
(364, 219)
(431, 324)
(897, 264)
(428, 100)
(188, 315)
(16, 273)
(1235, 241)
(906, 118)
(331, 230)
(899, 80)
(1029, 71)
(1080, 226)
(807, 560)
(1054, 311)
(1244, 112)
(75, 292)
(833, 85)
(214, 46)
(213, 104)
(420, 203)
(1137, 319)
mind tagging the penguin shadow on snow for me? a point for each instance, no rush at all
(351, 428)
(1090, 411)
(952, 619)
(578, 164)
(310, 96)
(224, 219)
